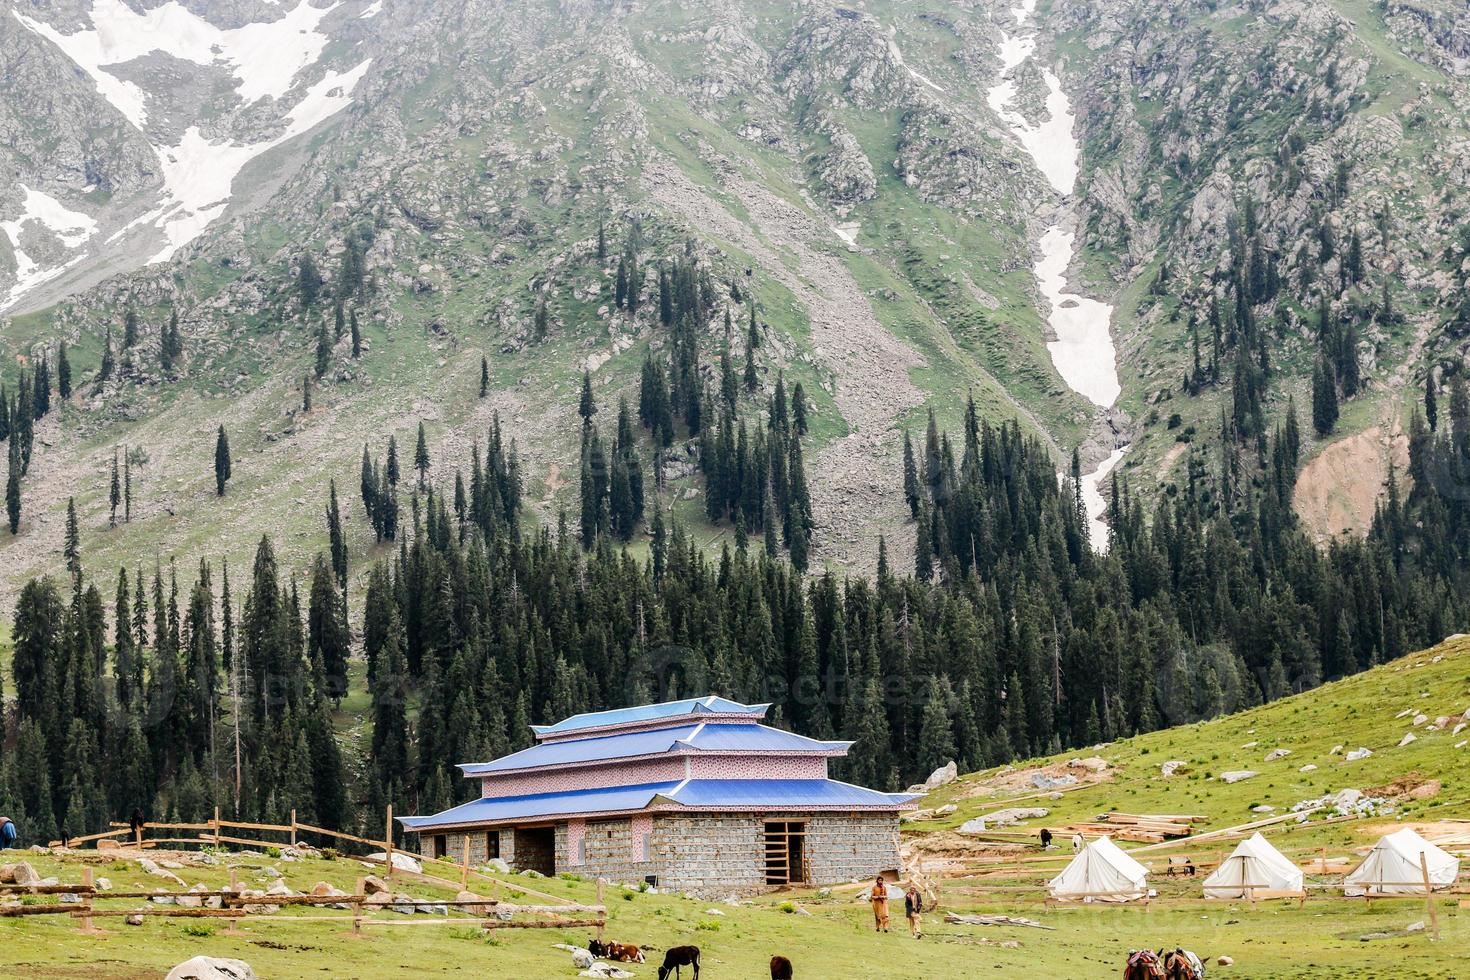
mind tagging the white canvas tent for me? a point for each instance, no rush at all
(1392, 867)
(1254, 866)
(1102, 871)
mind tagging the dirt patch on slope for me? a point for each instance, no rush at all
(857, 480)
(1011, 781)
(1336, 491)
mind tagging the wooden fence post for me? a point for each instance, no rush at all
(216, 828)
(388, 841)
(1429, 898)
(87, 883)
(293, 826)
(359, 895)
(464, 875)
(600, 902)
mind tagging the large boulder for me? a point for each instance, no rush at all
(942, 776)
(211, 968)
(401, 861)
(606, 971)
(195, 898)
(373, 885)
(581, 959)
(1238, 775)
(467, 896)
(19, 874)
(1091, 764)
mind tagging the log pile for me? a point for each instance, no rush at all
(1141, 828)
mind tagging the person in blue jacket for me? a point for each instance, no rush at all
(8, 833)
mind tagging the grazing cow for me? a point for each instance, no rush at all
(780, 968)
(622, 953)
(677, 957)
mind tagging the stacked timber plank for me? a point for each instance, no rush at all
(1142, 828)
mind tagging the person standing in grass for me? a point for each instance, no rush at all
(913, 910)
(8, 833)
(879, 898)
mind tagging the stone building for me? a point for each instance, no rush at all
(692, 795)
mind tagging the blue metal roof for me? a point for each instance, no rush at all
(492, 810)
(775, 794)
(758, 738)
(650, 712)
(711, 737)
(781, 793)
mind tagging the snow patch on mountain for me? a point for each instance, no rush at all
(265, 59)
(198, 173)
(72, 228)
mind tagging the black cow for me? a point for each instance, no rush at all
(678, 957)
(780, 968)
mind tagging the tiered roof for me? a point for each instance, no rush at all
(594, 744)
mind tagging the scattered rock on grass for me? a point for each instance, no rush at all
(211, 968)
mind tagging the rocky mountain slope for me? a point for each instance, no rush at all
(447, 166)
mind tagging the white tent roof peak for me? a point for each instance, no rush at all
(1254, 865)
(1102, 871)
(1392, 867)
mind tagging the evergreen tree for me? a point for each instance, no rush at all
(587, 407)
(337, 541)
(323, 349)
(1324, 398)
(72, 545)
(484, 376)
(130, 327)
(63, 372)
(421, 457)
(171, 345)
(108, 366)
(1431, 400)
(222, 468)
(356, 335)
(308, 282)
(41, 398)
(114, 496)
(12, 487)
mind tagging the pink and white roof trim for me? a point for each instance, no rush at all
(685, 739)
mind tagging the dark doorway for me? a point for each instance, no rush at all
(785, 852)
(536, 850)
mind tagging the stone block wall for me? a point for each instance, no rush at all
(479, 846)
(709, 853)
(844, 846)
(608, 850)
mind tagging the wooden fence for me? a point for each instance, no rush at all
(233, 904)
(213, 833)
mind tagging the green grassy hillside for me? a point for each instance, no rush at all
(826, 933)
(1359, 712)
